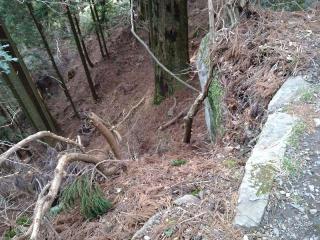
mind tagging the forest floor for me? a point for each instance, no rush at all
(151, 182)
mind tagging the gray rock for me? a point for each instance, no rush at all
(261, 168)
(290, 91)
(203, 60)
(317, 122)
(154, 220)
(313, 211)
(186, 199)
(276, 232)
(311, 188)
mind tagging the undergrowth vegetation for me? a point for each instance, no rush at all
(88, 195)
(296, 133)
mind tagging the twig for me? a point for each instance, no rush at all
(52, 228)
(189, 219)
(153, 56)
(38, 135)
(12, 120)
(173, 121)
(129, 113)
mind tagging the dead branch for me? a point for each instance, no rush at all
(44, 202)
(132, 110)
(173, 121)
(188, 119)
(107, 133)
(33, 137)
(115, 133)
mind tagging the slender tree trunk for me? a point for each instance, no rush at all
(82, 41)
(46, 45)
(23, 88)
(96, 29)
(83, 60)
(100, 28)
(103, 14)
(169, 42)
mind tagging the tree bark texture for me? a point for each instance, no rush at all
(169, 42)
(23, 88)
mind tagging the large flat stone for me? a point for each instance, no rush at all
(261, 168)
(203, 60)
(288, 93)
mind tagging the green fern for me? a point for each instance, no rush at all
(89, 197)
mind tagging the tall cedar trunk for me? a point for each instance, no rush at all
(143, 10)
(103, 9)
(169, 42)
(96, 29)
(82, 41)
(20, 82)
(45, 43)
(100, 27)
(83, 60)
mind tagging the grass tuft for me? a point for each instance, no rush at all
(178, 162)
(296, 133)
(90, 197)
(290, 166)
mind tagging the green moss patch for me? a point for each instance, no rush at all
(263, 176)
(215, 99)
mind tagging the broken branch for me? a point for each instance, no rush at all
(130, 112)
(107, 133)
(188, 119)
(173, 121)
(44, 202)
(33, 137)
